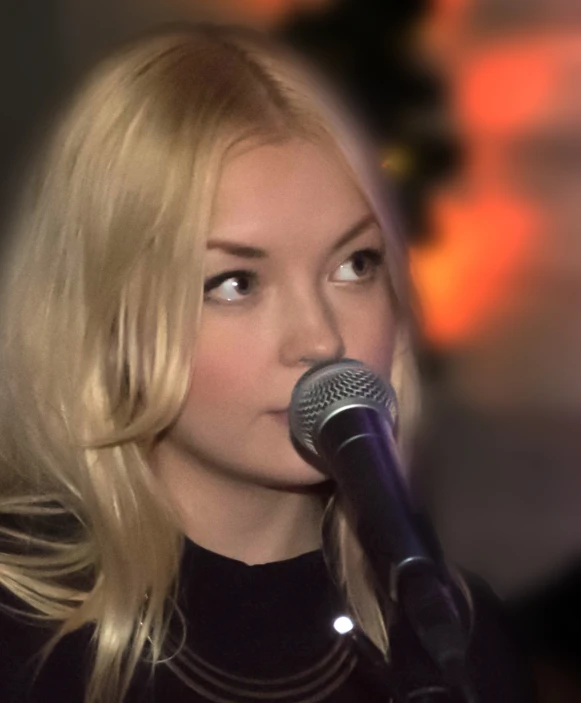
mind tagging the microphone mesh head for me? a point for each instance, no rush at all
(331, 385)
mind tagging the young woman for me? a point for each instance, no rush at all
(203, 228)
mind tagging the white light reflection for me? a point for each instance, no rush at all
(343, 625)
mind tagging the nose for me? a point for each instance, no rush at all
(311, 331)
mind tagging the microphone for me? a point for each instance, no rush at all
(343, 414)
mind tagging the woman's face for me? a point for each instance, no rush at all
(295, 274)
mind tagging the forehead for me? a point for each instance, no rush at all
(286, 188)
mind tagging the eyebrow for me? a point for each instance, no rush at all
(354, 231)
(247, 252)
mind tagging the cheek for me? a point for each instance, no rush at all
(225, 367)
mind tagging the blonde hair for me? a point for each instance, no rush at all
(99, 305)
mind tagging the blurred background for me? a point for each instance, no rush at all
(475, 110)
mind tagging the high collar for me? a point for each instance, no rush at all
(248, 620)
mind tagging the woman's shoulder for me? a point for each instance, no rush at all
(24, 676)
(496, 655)
(495, 661)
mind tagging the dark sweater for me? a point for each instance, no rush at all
(265, 633)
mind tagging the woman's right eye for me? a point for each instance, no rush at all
(230, 286)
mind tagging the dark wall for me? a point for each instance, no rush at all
(31, 76)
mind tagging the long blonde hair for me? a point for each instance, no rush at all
(100, 298)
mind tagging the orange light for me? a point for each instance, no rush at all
(463, 278)
(500, 90)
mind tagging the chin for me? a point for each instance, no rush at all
(299, 456)
(294, 472)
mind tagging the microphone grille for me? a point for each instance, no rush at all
(330, 385)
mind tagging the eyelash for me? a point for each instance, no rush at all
(375, 258)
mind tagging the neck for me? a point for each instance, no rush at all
(236, 517)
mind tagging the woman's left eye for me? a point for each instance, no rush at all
(360, 266)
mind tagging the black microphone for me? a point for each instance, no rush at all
(343, 414)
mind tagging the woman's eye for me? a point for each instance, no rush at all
(360, 266)
(230, 286)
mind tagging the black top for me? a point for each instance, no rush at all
(265, 633)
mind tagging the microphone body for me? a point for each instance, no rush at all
(358, 447)
(344, 414)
